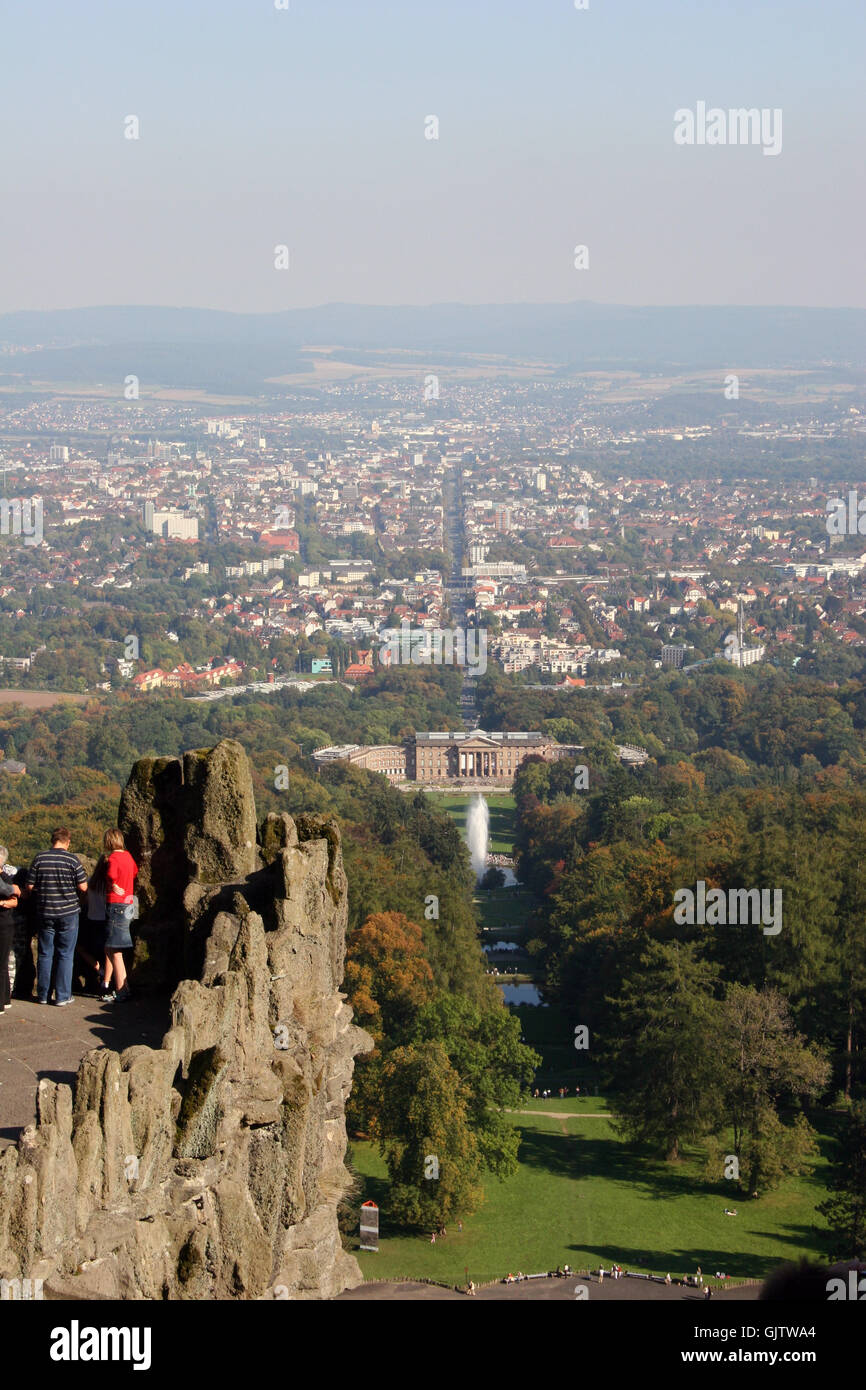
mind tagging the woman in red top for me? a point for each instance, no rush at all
(120, 872)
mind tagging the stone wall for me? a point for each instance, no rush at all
(212, 1167)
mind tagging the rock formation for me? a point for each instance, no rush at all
(212, 1167)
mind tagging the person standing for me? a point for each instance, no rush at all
(21, 968)
(9, 895)
(57, 882)
(91, 938)
(120, 874)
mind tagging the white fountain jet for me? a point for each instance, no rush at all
(477, 832)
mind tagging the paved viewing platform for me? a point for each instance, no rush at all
(547, 1290)
(40, 1040)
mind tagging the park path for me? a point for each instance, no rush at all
(566, 1114)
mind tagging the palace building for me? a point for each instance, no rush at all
(453, 758)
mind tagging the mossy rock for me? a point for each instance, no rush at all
(315, 827)
(190, 1261)
(277, 832)
(200, 1110)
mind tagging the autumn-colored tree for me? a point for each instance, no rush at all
(682, 779)
(388, 977)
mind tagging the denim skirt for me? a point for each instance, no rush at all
(118, 937)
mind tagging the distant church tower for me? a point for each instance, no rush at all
(735, 649)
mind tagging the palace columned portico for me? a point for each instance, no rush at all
(475, 756)
(476, 762)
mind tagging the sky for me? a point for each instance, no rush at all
(305, 127)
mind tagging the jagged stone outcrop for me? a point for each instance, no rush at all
(212, 1167)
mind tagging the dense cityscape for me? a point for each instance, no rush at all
(304, 539)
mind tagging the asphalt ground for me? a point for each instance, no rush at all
(40, 1040)
(551, 1290)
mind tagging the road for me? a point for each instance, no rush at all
(455, 596)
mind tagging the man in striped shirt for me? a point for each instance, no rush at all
(58, 882)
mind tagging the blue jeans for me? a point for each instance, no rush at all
(57, 938)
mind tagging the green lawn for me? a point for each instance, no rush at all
(501, 806)
(505, 909)
(583, 1196)
(591, 1104)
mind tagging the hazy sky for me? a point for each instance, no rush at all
(306, 127)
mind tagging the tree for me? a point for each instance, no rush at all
(493, 877)
(388, 976)
(432, 1155)
(483, 1046)
(663, 1064)
(845, 1210)
(849, 958)
(765, 1062)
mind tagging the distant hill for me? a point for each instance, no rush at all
(213, 348)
